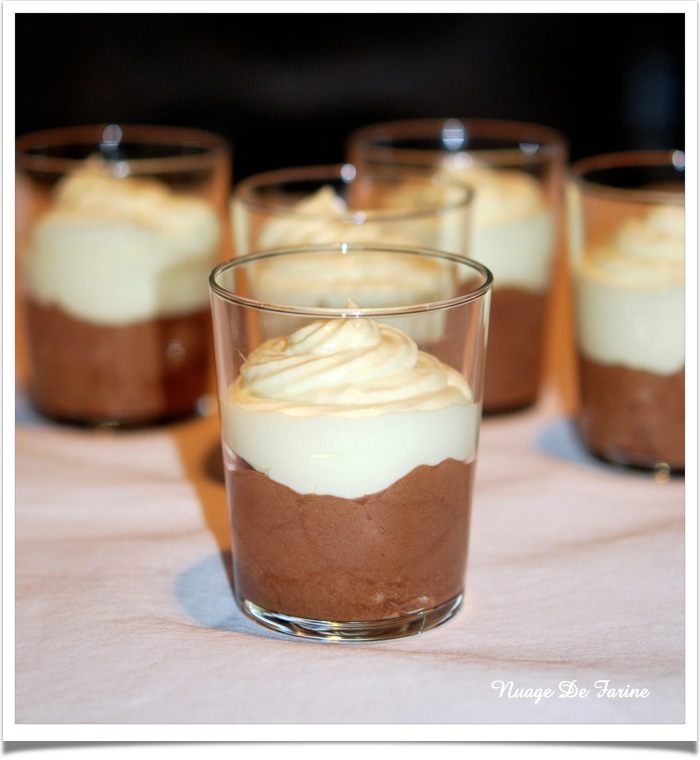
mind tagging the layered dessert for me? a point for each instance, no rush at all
(350, 458)
(117, 304)
(513, 235)
(630, 302)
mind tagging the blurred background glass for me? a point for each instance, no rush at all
(121, 225)
(627, 240)
(516, 173)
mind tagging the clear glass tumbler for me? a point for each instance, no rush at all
(121, 225)
(349, 446)
(516, 172)
(627, 249)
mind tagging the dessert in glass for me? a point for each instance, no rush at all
(349, 449)
(516, 171)
(627, 240)
(125, 224)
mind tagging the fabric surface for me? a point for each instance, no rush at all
(124, 612)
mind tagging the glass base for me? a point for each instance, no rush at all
(630, 459)
(363, 630)
(662, 471)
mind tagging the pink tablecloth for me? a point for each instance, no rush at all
(124, 616)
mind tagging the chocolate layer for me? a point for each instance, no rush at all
(515, 348)
(140, 373)
(632, 417)
(328, 558)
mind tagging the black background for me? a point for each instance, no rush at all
(286, 88)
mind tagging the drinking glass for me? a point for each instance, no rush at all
(121, 225)
(516, 172)
(627, 235)
(350, 447)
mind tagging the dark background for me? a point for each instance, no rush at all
(287, 88)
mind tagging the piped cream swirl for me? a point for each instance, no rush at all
(646, 251)
(348, 367)
(400, 218)
(321, 218)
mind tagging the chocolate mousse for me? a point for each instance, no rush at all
(138, 373)
(375, 557)
(514, 236)
(515, 347)
(631, 416)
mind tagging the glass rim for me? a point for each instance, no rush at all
(243, 193)
(544, 136)
(227, 295)
(213, 146)
(633, 160)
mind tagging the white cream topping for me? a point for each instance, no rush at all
(316, 219)
(513, 226)
(324, 217)
(346, 407)
(115, 251)
(630, 294)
